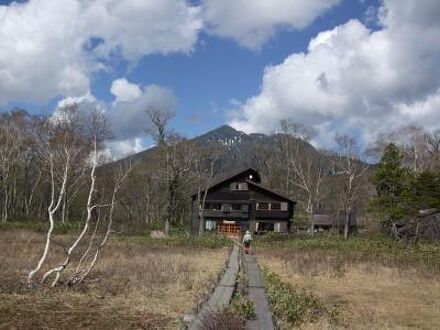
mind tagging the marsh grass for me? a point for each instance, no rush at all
(374, 282)
(135, 284)
(293, 306)
(223, 320)
(338, 253)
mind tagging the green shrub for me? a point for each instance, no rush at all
(294, 306)
(241, 305)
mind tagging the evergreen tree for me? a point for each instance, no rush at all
(390, 180)
(425, 191)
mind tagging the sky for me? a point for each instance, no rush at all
(359, 67)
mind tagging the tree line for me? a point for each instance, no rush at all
(155, 193)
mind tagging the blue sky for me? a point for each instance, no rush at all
(217, 70)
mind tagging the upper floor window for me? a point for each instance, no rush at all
(239, 186)
(236, 207)
(275, 206)
(263, 206)
(213, 206)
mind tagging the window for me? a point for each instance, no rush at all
(226, 207)
(265, 226)
(245, 208)
(262, 206)
(236, 207)
(239, 186)
(213, 206)
(243, 186)
(211, 225)
(275, 206)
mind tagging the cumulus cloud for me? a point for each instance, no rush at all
(126, 115)
(124, 90)
(117, 149)
(355, 79)
(50, 48)
(129, 119)
(251, 23)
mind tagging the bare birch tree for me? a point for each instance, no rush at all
(12, 147)
(204, 171)
(90, 257)
(304, 169)
(351, 169)
(94, 132)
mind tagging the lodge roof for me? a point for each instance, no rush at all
(270, 191)
(256, 179)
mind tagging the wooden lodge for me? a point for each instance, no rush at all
(238, 203)
(327, 220)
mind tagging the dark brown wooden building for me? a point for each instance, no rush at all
(239, 202)
(326, 220)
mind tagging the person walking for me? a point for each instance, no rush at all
(247, 239)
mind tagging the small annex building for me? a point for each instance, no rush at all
(238, 202)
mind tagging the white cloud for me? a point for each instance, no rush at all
(117, 149)
(251, 23)
(124, 90)
(356, 79)
(129, 119)
(50, 48)
(127, 114)
(86, 98)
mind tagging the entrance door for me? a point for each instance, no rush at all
(229, 229)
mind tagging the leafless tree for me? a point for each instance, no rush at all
(204, 172)
(95, 131)
(433, 149)
(158, 126)
(303, 165)
(67, 138)
(419, 148)
(12, 152)
(351, 169)
(57, 193)
(90, 257)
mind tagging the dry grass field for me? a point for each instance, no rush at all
(369, 292)
(135, 285)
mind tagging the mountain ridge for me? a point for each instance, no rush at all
(242, 150)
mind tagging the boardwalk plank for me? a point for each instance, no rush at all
(222, 295)
(257, 294)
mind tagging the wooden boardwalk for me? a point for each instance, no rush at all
(257, 294)
(222, 295)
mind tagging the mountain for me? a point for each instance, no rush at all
(240, 149)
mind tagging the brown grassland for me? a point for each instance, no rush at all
(136, 284)
(368, 291)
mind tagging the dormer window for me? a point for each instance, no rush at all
(239, 186)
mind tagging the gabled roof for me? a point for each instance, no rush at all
(270, 191)
(233, 175)
(240, 173)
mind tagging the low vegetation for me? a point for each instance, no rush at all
(293, 306)
(135, 285)
(372, 281)
(379, 249)
(225, 319)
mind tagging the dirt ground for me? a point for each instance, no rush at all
(135, 285)
(368, 295)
